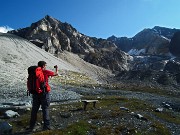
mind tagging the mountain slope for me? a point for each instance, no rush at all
(17, 54)
(55, 37)
(153, 41)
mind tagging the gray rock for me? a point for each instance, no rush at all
(159, 110)
(124, 108)
(11, 114)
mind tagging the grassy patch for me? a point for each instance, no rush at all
(135, 104)
(78, 128)
(158, 129)
(106, 119)
(168, 116)
(162, 91)
(73, 78)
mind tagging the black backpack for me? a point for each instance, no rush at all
(32, 81)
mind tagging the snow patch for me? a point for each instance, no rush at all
(136, 51)
(165, 38)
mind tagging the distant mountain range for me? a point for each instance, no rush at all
(114, 53)
(151, 56)
(153, 41)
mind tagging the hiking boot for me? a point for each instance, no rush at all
(47, 128)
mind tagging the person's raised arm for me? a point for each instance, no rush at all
(56, 70)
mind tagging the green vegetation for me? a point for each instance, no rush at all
(79, 79)
(73, 78)
(106, 119)
(159, 129)
(168, 116)
(78, 128)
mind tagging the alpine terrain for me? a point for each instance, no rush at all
(117, 85)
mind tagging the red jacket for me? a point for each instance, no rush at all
(47, 73)
(40, 76)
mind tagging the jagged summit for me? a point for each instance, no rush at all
(55, 37)
(50, 19)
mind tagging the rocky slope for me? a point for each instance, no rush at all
(17, 54)
(55, 37)
(149, 48)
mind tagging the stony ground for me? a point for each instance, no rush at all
(117, 112)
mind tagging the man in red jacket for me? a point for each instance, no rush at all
(42, 99)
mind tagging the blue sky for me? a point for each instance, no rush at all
(95, 18)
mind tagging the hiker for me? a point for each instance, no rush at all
(42, 98)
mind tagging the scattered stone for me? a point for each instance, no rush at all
(139, 116)
(167, 105)
(54, 109)
(159, 110)
(124, 108)
(10, 114)
(28, 109)
(5, 128)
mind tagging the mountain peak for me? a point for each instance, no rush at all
(47, 16)
(50, 19)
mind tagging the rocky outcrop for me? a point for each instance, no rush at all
(123, 43)
(173, 66)
(115, 60)
(55, 37)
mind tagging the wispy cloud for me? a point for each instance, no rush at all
(5, 29)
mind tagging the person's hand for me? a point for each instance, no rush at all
(56, 66)
(56, 70)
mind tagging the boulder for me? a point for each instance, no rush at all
(10, 114)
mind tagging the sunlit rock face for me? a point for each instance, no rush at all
(55, 37)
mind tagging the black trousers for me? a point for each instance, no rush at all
(43, 100)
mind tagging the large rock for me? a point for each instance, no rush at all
(11, 114)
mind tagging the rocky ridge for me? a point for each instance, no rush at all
(155, 41)
(148, 49)
(54, 37)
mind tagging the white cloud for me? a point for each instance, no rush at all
(5, 29)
